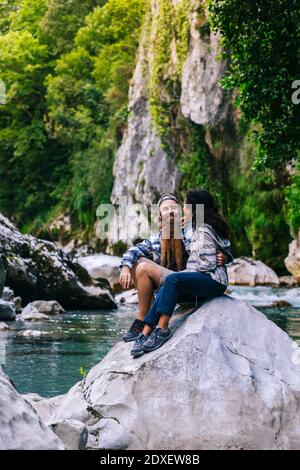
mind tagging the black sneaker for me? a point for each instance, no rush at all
(157, 338)
(137, 349)
(133, 332)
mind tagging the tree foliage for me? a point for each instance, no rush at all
(66, 67)
(261, 40)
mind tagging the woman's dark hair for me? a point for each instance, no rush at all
(211, 213)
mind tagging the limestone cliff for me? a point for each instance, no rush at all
(146, 163)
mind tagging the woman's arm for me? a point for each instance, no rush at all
(203, 251)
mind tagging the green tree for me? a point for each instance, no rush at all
(261, 39)
(62, 20)
(34, 165)
(87, 98)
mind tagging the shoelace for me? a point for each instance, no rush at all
(156, 332)
(140, 339)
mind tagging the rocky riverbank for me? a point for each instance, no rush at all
(37, 269)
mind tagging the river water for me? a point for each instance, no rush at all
(58, 352)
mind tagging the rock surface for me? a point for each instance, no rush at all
(128, 297)
(32, 314)
(20, 426)
(103, 266)
(288, 281)
(3, 326)
(247, 271)
(8, 294)
(41, 310)
(202, 98)
(7, 311)
(292, 261)
(229, 378)
(73, 433)
(38, 269)
(48, 307)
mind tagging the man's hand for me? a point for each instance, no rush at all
(125, 277)
(222, 258)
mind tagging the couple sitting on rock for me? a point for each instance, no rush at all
(177, 269)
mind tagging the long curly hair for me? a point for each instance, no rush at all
(173, 253)
(212, 215)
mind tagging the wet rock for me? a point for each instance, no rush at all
(247, 271)
(288, 281)
(39, 269)
(7, 312)
(31, 313)
(281, 304)
(8, 294)
(48, 307)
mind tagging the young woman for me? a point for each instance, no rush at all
(147, 264)
(202, 276)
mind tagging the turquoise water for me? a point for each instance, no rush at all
(49, 362)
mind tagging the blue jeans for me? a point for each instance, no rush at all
(180, 287)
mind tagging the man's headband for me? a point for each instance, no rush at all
(166, 197)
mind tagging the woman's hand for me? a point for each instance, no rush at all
(125, 277)
(222, 258)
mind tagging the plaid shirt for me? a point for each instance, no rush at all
(201, 258)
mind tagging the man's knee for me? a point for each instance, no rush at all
(142, 268)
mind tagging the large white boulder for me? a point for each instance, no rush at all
(103, 266)
(229, 378)
(251, 272)
(20, 426)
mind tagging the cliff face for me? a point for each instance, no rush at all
(142, 169)
(183, 131)
(202, 99)
(146, 164)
